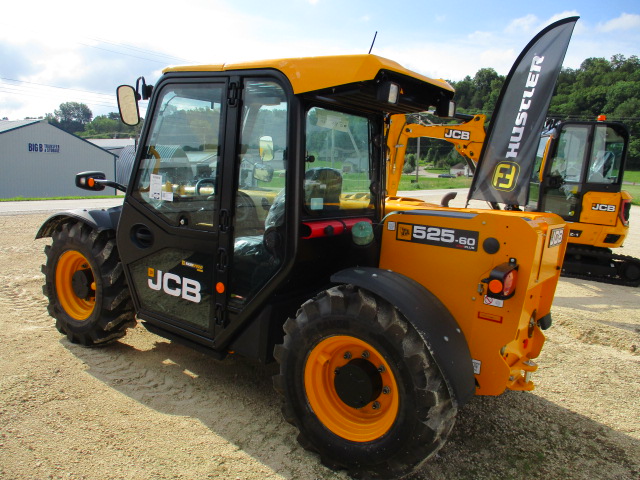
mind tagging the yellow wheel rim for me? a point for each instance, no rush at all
(356, 424)
(69, 263)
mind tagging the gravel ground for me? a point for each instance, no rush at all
(147, 408)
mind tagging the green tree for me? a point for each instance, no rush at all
(480, 93)
(109, 126)
(71, 116)
(598, 86)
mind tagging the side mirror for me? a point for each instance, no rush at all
(128, 105)
(266, 148)
(262, 172)
(87, 181)
(96, 181)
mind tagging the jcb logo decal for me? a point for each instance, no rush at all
(505, 176)
(174, 285)
(457, 134)
(556, 237)
(603, 207)
(405, 232)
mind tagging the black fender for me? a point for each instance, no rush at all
(99, 219)
(431, 319)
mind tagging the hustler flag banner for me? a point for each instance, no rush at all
(509, 152)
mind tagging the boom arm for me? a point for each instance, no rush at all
(467, 137)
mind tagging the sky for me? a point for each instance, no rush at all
(67, 51)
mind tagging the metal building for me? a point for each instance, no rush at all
(39, 160)
(113, 145)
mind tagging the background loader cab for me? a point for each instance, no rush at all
(254, 222)
(578, 175)
(582, 160)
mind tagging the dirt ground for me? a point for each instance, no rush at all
(146, 408)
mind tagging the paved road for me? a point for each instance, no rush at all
(44, 206)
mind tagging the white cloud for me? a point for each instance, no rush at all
(560, 16)
(521, 25)
(80, 50)
(500, 59)
(626, 21)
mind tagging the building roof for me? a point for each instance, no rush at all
(7, 125)
(110, 143)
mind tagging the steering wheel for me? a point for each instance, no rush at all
(205, 181)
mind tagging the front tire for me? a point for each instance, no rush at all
(85, 285)
(360, 385)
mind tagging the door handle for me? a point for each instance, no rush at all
(141, 235)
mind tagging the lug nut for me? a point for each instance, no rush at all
(365, 354)
(386, 390)
(347, 355)
(375, 405)
(381, 369)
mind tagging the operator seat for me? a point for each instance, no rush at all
(322, 189)
(257, 257)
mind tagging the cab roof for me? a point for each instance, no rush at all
(308, 74)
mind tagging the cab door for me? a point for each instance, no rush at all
(170, 229)
(562, 185)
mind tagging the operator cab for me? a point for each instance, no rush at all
(573, 159)
(246, 175)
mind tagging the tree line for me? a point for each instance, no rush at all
(598, 86)
(77, 118)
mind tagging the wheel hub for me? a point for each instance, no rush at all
(358, 383)
(351, 388)
(81, 284)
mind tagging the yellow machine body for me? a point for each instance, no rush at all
(503, 335)
(467, 137)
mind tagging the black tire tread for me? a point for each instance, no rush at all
(436, 412)
(114, 312)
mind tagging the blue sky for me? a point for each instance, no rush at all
(53, 52)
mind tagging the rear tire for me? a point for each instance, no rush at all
(360, 385)
(85, 284)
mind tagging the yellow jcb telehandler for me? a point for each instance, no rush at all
(254, 224)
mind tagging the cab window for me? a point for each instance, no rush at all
(261, 167)
(338, 163)
(177, 174)
(606, 155)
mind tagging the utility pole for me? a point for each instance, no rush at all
(418, 160)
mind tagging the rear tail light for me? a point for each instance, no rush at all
(502, 280)
(625, 210)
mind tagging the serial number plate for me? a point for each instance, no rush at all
(437, 236)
